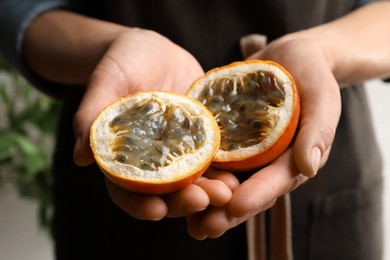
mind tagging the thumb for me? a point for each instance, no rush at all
(312, 148)
(321, 108)
(97, 96)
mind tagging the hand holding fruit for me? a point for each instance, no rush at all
(320, 111)
(143, 60)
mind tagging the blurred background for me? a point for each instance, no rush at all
(27, 125)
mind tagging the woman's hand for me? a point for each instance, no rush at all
(144, 60)
(320, 111)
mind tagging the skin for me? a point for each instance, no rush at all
(112, 60)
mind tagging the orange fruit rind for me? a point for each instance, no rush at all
(256, 104)
(154, 142)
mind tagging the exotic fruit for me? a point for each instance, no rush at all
(256, 105)
(154, 142)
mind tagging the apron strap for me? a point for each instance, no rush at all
(278, 246)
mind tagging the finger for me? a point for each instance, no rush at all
(227, 177)
(194, 228)
(186, 201)
(217, 221)
(143, 207)
(93, 102)
(261, 189)
(219, 193)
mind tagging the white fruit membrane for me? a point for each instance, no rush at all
(102, 138)
(283, 113)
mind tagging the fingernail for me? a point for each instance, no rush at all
(315, 160)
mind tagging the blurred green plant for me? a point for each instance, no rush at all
(28, 122)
